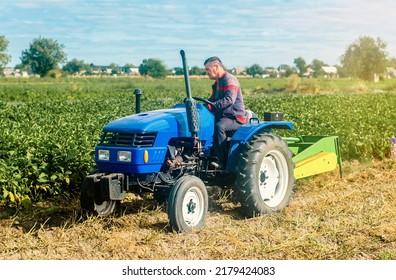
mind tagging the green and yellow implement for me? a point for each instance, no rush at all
(313, 155)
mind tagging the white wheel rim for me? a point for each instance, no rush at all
(273, 178)
(193, 207)
(105, 208)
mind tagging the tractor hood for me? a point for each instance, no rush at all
(146, 137)
(166, 123)
(153, 121)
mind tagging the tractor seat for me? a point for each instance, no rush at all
(250, 116)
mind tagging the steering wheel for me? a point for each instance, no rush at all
(204, 101)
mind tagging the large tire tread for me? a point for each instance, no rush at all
(250, 159)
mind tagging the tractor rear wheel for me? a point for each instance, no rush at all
(265, 176)
(187, 204)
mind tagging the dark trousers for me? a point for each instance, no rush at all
(224, 127)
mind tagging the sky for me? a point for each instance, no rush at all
(241, 33)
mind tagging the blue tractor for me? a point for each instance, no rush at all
(167, 152)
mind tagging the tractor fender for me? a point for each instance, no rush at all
(245, 133)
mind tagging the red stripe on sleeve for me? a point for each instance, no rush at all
(229, 87)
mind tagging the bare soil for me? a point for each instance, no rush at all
(353, 217)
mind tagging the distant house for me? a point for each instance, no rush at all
(239, 70)
(270, 72)
(11, 72)
(283, 68)
(8, 72)
(330, 71)
(390, 72)
(28, 73)
(96, 71)
(308, 72)
(131, 71)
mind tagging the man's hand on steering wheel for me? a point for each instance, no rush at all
(211, 106)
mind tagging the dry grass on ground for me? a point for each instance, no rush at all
(328, 218)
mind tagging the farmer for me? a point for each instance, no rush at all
(228, 109)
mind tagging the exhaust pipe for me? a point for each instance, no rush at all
(191, 108)
(137, 92)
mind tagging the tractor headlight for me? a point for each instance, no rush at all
(124, 156)
(104, 155)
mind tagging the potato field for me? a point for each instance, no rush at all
(50, 126)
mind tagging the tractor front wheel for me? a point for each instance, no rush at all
(187, 204)
(265, 175)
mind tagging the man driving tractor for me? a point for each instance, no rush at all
(228, 107)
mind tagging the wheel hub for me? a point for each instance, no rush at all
(269, 178)
(263, 177)
(191, 207)
(273, 178)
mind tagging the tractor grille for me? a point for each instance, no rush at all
(128, 139)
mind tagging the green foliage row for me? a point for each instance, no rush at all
(364, 122)
(50, 126)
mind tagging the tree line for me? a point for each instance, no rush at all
(362, 59)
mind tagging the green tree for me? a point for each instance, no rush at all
(289, 71)
(364, 58)
(195, 70)
(317, 65)
(341, 71)
(75, 66)
(301, 65)
(43, 55)
(20, 67)
(153, 67)
(254, 70)
(285, 70)
(178, 71)
(270, 72)
(115, 69)
(4, 57)
(129, 65)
